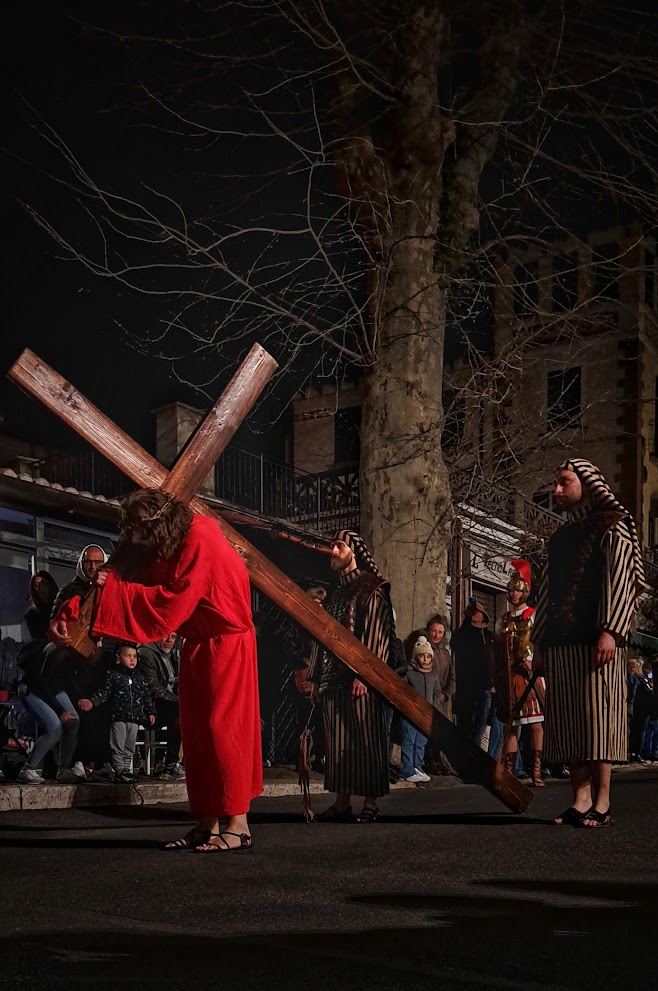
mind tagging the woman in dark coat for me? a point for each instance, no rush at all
(43, 591)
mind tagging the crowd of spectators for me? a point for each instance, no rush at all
(79, 716)
(87, 712)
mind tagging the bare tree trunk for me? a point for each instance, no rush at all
(406, 509)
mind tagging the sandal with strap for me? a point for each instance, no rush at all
(333, 815)
(598, 819)
(572, 817)
(368, 814)
(188, 842)
(246, 843)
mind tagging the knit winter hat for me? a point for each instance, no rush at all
(422, 646)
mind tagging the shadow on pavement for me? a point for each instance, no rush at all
(557, 934)
(586, 908)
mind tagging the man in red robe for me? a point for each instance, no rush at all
(192, 580)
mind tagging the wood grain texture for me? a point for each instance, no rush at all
(219, 424)
(78, 629)
(471, 763)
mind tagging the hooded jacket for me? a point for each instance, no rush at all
(128, 695)
(473, 649)
(80, 584)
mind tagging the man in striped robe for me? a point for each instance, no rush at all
(356, 756)
(593, 577)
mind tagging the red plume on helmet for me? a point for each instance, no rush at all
(521, 580)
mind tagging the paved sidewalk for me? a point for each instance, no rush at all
(278, 781)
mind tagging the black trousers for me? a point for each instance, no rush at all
(94, 736)
(167, 714)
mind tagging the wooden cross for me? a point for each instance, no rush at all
(61, 398)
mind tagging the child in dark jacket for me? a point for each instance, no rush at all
(420, 674)
(132, 705)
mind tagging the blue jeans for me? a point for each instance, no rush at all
(650, 745)
(495, 738)
(412, 749)
(482, 706)
(55, 734)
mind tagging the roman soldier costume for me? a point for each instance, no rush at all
(520, 699)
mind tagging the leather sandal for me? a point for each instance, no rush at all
(188, 841)
(572, 817)
(598, 819)
(368, 814)
(246, 843)
(333, 815)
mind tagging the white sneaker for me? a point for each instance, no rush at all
(27, 776)
(422, 775)
(414, 779)
(79, 769)
(67, 776)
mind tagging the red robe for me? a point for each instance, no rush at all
(203, 594)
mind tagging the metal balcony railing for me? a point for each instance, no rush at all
(508, 505)
(325, 502)
(86, 472)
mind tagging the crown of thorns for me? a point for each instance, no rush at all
(156, 515)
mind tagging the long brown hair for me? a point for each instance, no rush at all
(162, 521)
(52, 584)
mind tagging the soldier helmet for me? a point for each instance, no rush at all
(521, 580)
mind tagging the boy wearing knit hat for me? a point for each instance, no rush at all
(420, 675)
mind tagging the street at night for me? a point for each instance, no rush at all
(329, 475)
(448, 891)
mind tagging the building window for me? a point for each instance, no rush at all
(563, 401)
(606, 271)
(526, 289)
(347, 435)
(565, 282)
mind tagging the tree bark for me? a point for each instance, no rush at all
(406, 509)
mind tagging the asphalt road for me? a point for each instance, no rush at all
(447, 891)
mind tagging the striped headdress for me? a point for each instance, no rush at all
(364, 559)
(604, 498)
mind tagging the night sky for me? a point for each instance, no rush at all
(81, 84)
(85, 84)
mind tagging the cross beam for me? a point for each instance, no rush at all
(47, 387)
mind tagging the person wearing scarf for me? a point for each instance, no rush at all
(356, 759)
(593, 577)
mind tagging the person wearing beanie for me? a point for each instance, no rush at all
(422, 676)
(473, 646)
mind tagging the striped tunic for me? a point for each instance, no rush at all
(586, 707)
(356, 749)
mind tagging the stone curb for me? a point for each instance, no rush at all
(28, 798)
(16, 797)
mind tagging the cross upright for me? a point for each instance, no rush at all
(195, 461)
